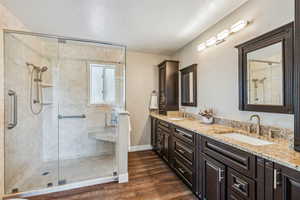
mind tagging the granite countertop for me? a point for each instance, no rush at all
(279, 152)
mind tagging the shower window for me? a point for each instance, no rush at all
(102, 84)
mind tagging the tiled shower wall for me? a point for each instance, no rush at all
(71, 95)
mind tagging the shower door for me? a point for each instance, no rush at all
(31, 133)
(86, 134)
(61, 98)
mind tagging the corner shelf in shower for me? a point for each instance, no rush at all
(46, 85)
(47, 103)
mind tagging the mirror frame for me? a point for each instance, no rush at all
(186, 70)
(284, 34)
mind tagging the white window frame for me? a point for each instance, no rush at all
(105, 66)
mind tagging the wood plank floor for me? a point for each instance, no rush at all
(149, 179)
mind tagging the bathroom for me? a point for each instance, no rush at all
(62, 139)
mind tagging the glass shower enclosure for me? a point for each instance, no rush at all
(61, 101)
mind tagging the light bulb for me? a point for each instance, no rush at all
(211, 41)
(238, 26)
(222, 35)
(201, 47)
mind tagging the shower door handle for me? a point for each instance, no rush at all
(71, 116)
(14, 109)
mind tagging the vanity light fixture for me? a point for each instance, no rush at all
(211, 41)
(223, 35)
(238, 26)
(201, 46)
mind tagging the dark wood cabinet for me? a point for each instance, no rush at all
(162, 135)
(217, 171)
(214, 179)
(184, 152)
(153, 134)
(165, 146)
(168, 86)
(286, 183)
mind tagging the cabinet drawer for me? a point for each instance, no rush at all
(180, 148)
(240, 186)
(185, 135)
(164, 126)
(184, 172)
(239, 160)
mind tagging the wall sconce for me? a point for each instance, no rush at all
(223, 35)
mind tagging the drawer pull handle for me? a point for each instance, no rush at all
(239, 186)
(181, 170)
(181, 151)
(221, 175)
(164, 124)
(184, 134)
(277, 178)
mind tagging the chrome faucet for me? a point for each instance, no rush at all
(258, 123)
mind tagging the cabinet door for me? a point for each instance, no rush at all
(165, 150)
(159, 141)
(162, 87)
(213, 177)
(153, 133)
(286, 183)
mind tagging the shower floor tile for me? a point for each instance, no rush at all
(72, 170)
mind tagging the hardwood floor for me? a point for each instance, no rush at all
(149, 179)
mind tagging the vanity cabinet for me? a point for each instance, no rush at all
(168, 86)
(217, 171)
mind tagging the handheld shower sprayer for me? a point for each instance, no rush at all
(37, 78)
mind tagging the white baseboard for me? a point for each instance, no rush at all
(123, 178)
(140, 148)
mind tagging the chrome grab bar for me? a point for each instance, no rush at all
(71, 116)
(14, 104)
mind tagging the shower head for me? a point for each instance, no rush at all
(43, 69)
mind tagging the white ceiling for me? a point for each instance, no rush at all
(154, 26)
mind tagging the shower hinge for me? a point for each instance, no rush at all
(15, 190)
(61, 41)
(50, 185)
(62, 182)
(115, 173)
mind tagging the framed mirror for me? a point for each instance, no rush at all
(266, 72)
(189, 86)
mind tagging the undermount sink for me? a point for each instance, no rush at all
(176, 118)
(247, 139)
